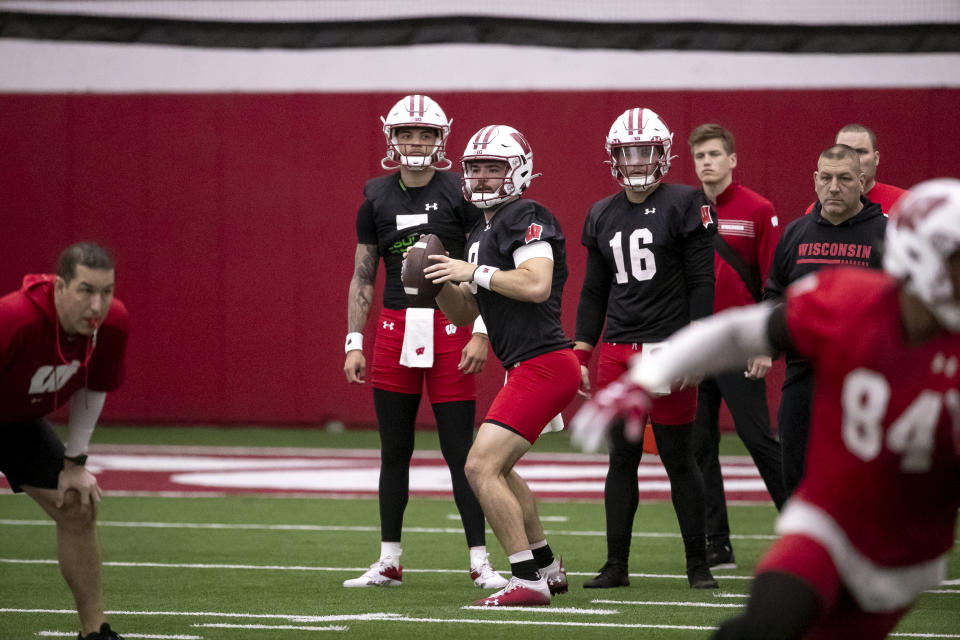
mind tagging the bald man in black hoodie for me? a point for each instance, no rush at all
(844, 228)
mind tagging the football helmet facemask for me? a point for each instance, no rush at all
(638, 145)
(922, 234)
(498, 142)
(422, 112)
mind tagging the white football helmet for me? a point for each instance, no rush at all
(416, 111)
(639, 144)
(922, 234)
(499, 142)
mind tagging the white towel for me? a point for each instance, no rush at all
(417, 350)
(648, 349)
(554, 425)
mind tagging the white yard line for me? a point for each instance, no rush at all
(340, 528)
(592, 612)
(147, 636)
(647, 603)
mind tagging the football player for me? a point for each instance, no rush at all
(63, 338)
(873, 520)
(514, 280)
(415, 345)
(649, 272)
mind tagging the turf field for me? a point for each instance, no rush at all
(263, 566)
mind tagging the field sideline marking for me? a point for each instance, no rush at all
(344, 529)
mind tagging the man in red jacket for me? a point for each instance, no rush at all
(864, 142)
(748, 232)
(62, 340)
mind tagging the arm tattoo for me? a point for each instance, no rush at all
(361, 286)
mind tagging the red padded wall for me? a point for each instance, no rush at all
(231, 216)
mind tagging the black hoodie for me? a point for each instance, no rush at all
(812, 242)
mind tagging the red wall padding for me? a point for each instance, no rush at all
(232, 216)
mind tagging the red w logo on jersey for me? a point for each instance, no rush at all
(420, 350)
(533, 232)
(705, 216)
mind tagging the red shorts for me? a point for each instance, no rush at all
(680, 407)
(841, 618)
(536, 390)
(445, 383)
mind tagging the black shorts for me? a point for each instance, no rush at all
(31, 454)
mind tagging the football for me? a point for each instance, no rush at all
(421, 291)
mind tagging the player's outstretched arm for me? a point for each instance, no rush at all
(720, 343)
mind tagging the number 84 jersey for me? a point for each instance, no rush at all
(644, 262)
(883, 460)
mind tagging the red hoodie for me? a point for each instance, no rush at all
(34, 379)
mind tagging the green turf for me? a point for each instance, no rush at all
(299, 572)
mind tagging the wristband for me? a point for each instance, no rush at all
(479, 326)
(354, 342)
(583, 355)
(483, 274)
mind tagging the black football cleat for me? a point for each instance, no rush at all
(612, 574)
(105, 633)
(700, 577)
(720, 555)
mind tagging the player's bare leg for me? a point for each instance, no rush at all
(492, 456)
(531, 516)
(489, 465)
(77, 551)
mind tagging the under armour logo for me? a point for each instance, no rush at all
(942, 364)
(647, 212)
(431, 206)
(388, 325)
(420, 351)
(450, 329)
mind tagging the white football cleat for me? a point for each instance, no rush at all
(385, 572)
(485, 577)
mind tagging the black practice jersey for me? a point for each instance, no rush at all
(520, 330)
(649, 266)
(394, 216)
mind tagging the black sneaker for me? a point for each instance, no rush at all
(612, 574)
(720, 555)
(105, 633)
(700, 577)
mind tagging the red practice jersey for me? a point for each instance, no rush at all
(883, 460)
(34, 378)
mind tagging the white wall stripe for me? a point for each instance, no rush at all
(68, 67)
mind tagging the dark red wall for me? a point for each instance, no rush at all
(232, 215)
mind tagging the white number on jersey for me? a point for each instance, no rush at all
(642, 265)
(865, 397)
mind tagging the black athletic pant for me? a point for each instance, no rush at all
(396, 419)
(621, 494)
(747, 400)
(793, 420)
(781, 607)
